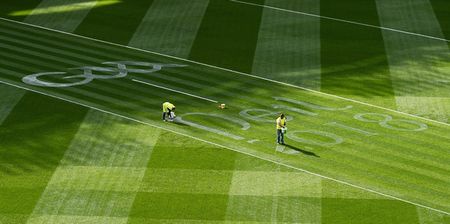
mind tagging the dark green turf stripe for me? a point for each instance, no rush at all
(227, 36)
(442, 11)
(116, 23)
(180, 206)
(17, 200)
(337, 211)
(353, 58)
(9, 6)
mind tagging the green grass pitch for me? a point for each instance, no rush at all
(365, 85)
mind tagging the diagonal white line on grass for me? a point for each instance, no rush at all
(228, 70)
(343, 20)
(225, 147)
(177, 91)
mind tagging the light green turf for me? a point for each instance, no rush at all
(283, 184)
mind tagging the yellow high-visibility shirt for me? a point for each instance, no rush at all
(281, 122)
(167, 106)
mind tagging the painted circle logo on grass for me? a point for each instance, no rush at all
(117, 69)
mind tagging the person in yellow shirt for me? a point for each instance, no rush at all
(281, 124)
(168, 108)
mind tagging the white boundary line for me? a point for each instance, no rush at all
(225, 147)
(342, 20)
(228, 70)
(173, 90)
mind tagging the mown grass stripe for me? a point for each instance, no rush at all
(170, 35)
(67, 20)
(9, 6)
(378, 172)
(10, 97)
(220, 42)
(288, 47)
(67, 38)
(427, 216)
(20, 155)
(61, 43)
(40, 54)
(55, 51)
(397, 171)
(70, 219)
(442, 12)
(39, 51)
(419, 82)
(365, 75)
(98, 178)
(289, 210)
(101, 145)
(126, 15)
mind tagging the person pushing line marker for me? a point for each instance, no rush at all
(168, 109)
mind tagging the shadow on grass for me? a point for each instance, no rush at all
(308, 153)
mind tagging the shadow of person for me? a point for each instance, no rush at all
(308, 153)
